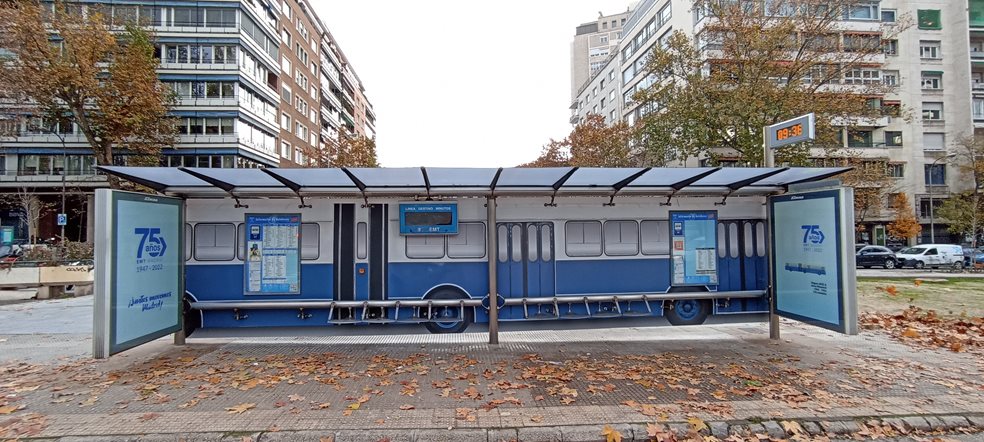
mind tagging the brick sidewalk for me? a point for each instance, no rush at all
(522, 387)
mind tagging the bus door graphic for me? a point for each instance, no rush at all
(526, 262)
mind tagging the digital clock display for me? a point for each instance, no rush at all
(794, 130)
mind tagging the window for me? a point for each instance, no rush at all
(285, 36)
(215, 242)
(286, 93)
(888, 16)
(890, 47)
(890, 78)
(655, 237)
(285, 121)
(583, 238)
(604, 39)
(285, 149)
(932, 80)
(932, 110)
(934, 141)
(862, 76)
(361, 240)
(861, 42)
(862, 11)
(929, 19)
(188, 243)
(935, 174)
(896, 170)
(285, 64)
(621, 238)
(930, 49)
(893, 138)
(425, 247)
(859, 138)
(469, 242)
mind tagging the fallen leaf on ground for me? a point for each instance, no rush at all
(241, 408)
(696, 423)
(611, 435)
(536, 418)
(149, 416)
(7, 409)
(407, 407)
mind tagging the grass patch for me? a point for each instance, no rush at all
(952, 297)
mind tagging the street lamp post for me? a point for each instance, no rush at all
(932, 224)
(64, 171)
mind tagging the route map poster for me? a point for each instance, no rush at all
(811, 263)
(273, 254)
(694, 248)
(139, 269)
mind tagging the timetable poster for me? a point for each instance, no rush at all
(273, 254)
(694, 252)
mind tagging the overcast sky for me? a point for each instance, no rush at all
(463, 83)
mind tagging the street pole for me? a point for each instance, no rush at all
(769, 161)
(64, 173)
(493, 290)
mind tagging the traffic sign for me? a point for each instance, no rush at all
(791, 131)
(62, 219)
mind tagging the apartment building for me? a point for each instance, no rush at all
(593, 43)
(931, 63)
(248, 77)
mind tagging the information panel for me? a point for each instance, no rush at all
(429, 218)
(812, 259)
(694, 251)
(273, 254)
(139, 269)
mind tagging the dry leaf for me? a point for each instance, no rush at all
(241, 408)
(7, 409)
(611, 435)
(567, 400)
(536, 418)
(791, 427)
(696, 423)
(407, 407)
(149, 416)
(295, 398)
(911, 333)
(327, 439)
(380, 421)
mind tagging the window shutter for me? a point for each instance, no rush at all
(929, 19)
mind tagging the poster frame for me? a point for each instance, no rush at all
(717, 268)
(246, 291)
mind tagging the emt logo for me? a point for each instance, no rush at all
(150, 242)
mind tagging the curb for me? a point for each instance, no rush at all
(893, 428)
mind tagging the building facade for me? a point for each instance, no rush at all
(933, 64)
(593, 43)
(248, 76)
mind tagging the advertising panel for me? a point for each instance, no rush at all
(139, 269)
(694, 248)
(812, 259)
(273, 254)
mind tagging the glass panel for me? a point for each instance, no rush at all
(228, 89)
(760, 238)
(206, 54)
(227, 126)
(361, 241)
(733, 240)
(546, 242)
(517, 243)
(722, 244)
(532, 242)
(211, 126)
(749, 249)
(655, 237)
(310, 240)
(187, 240)
(503, 245)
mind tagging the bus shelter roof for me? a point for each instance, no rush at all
(444, 181)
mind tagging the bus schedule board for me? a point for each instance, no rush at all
(693, 236)
(139, 281)
(273, 254)
(813, 273)
(429, 218)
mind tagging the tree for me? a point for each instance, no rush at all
(964, 212)
(554, 154)
(590, 144)
(350, 150)
(749, 68)
(30, 209)
(905, 225)
(871, 182)
(100, 75)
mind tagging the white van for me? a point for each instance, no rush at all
(931, 255)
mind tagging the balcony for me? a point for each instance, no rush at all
(76, 178)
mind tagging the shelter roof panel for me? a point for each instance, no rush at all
(801, 175)
(157, 178)
(228, 179)
(600, 176)
(737, 177)
(532, 177)
(313, 178)
(388, 177)
(675, 177)
(460, 176)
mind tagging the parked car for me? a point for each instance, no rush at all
(860, 245)
(973, 256)
(895, 246)
(932, 255)
(875, 256)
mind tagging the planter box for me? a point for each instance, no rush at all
(66, 275)
(20, 277)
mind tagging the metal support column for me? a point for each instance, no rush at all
(493, 255)
(770, 288)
